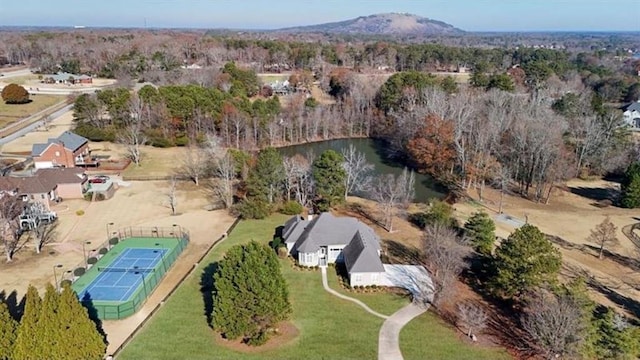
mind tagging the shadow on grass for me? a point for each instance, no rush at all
(620, 259)
(87, 302)
(16, 308)
(631, 305)
(596, 194)
(207, 288)
(401, 254)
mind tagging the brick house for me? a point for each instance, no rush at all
(47, 186)
(67, 150)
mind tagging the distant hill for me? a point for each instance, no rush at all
(382, 24)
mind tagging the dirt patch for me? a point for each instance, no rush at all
(286, 332)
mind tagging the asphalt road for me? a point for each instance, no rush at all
(35, 125)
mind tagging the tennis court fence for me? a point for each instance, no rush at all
(175, 231)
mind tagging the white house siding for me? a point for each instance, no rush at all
(365, 279)
(308, 259)
(630, 116)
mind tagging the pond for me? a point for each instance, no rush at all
(375, 152)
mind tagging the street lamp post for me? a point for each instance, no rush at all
(55, 276)
(109, 232)
(84, 252)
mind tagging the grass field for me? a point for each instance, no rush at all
(21, 80)
(12, 113)
(155, 161)
(270, 78)
(330, 328)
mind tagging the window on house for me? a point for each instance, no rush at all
(33, 197)
(357, 278)
(374, 278)
(42, 196)
(57, 153)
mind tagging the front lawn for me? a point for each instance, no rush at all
(330, 328)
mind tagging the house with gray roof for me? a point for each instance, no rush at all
(67, 78)
(631, 115)
(67, 150)
(328, 239)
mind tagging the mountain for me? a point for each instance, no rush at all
(382, 24)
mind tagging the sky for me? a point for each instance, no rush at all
(469, 15)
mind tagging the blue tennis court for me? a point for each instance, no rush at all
(124, 275)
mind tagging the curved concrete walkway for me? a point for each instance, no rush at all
(389, 336)
(325, 284)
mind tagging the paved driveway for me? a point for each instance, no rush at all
(414, 278)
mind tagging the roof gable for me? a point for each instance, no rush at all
(361, 256)
(68, 139)
(61, 175)
(327, 229)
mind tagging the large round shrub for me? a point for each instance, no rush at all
(79, 271)
(113, 241)
(92, 260)
(15, 94)
(103, 251)
(291, 208)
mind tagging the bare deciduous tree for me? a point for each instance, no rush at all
(172, 196)
(391, 194)
(298, 179)
(44, 232)
(224, 173)
(194, 163)
(472, 316)
(604, 234)
(358, 171)
(133, 138)
(11, 207)
(445, 255)
(555, 325)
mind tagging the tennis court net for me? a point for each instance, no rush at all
(133, 269)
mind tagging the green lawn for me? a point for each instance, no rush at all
(330, 328)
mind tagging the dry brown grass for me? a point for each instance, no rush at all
(10, 113)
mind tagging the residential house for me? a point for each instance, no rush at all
(47, 186)
(71, 183)
(30, 189)
(67, 150)
(631, 115)
(328, 239)
(67, 78)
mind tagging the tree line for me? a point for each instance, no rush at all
(520, 276)
(56, 326)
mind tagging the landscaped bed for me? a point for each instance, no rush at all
(329, 328)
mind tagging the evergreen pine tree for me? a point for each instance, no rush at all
(8, 332)
(250, 293)
(631, 190)
(49, 327)
(524, 260)
(329, 175)
(481, 230)
(27, 340)
(80, 339)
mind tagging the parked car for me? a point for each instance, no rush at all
(103, 177)
(97, 181)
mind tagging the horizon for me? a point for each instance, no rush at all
(485, 16)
